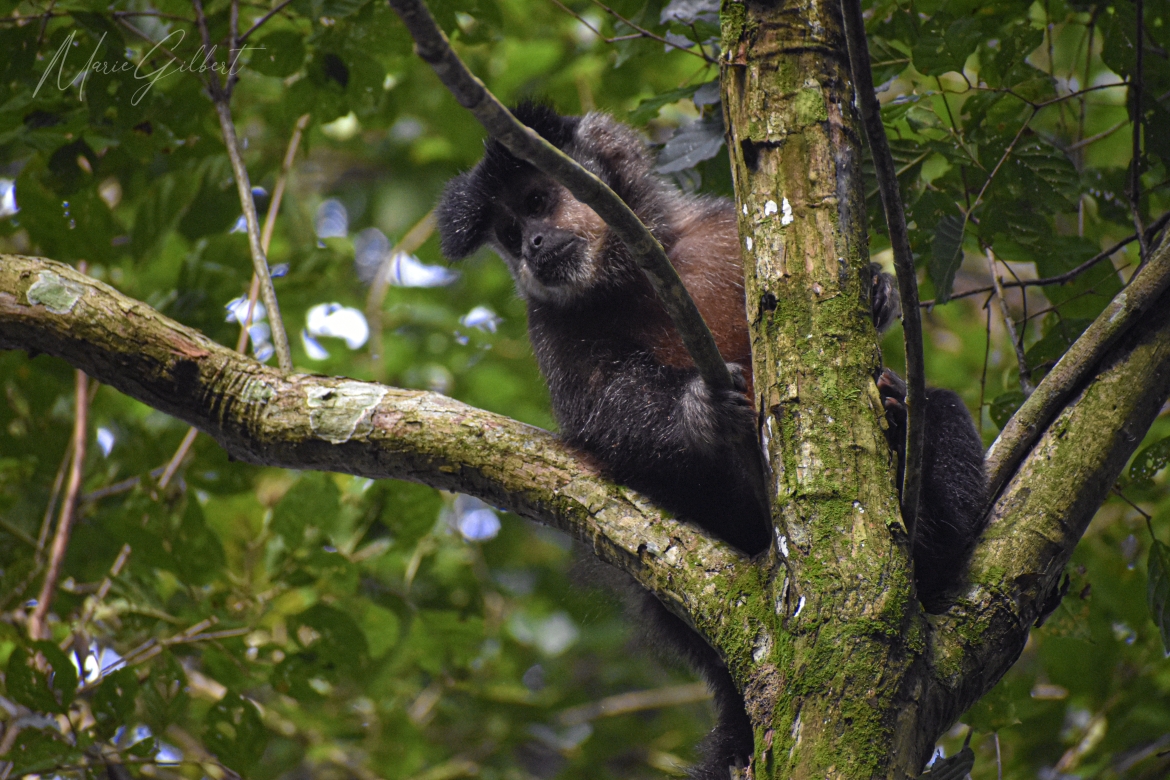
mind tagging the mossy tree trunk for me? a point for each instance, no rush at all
(843, 674)
(839, 628)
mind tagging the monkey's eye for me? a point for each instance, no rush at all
(535, 203)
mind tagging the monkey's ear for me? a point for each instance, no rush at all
(463, 217)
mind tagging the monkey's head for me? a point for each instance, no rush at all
(557, 248)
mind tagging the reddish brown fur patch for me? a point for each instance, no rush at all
(706, 254)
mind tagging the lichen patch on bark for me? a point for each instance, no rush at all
(55, 293)
(344, 411)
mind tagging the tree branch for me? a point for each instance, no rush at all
(261, 415)
(432, 47)
(1068, 375)
(1045, 509)
(887, 176)
(38, 621)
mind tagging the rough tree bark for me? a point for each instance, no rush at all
(843, 675)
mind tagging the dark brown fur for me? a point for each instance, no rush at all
(623, 387)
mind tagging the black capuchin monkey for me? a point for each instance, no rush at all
(625, 391)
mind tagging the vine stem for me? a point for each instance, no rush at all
(37, 621)
(887, 176)
(254, 290)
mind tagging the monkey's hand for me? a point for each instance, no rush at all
(710, 419)
(893, 392)
(884, 298)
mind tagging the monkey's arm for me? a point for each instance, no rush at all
(954, 484)
(662, 431)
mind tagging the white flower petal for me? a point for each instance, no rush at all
(237, 310)
(8, 205)
(332, 220)
(105, 440)
(481, 317)
(407, 271)
(313, 348)
(337, 321)
(259, 334)
(479, 525)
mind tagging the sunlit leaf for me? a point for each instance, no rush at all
(232, 730)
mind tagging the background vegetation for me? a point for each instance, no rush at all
(242, 620)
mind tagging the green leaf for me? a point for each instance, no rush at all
(233, 731)
(199, 556)
(113, 701)
(1042, 355)
(946, 255)
(1004, 406)
(1158, 593)
(1149, 462)
(648, 108)
(333, 635)
(692, 144)
(43, 691)
(280, 54)
(381, 629)
(313, 501)
(164, 693)
(39, 750)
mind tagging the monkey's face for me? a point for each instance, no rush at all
(551, 241)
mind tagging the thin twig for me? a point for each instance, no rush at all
(104, 588)
(233, 75)
(634, 701)
(1132, 505)
(19, 533)
(1017, 344)
(887, 177)
(414, 238)
(270, 224)
(432, 47)
(1067, 276)
(174, 57)
(47, 520)
(176, 459)
(259, 259)
(641, 32)
(1135, 168)
(1081, 144)
(1003, 158)
(264, 19)
(902, 170)
(37, 627)
(1144, 291)
(220, 97)
(125, 486)
(986, 357)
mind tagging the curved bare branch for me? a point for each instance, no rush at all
(302, 421)
(1044, 510)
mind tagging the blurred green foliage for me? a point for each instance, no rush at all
(275, 624)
